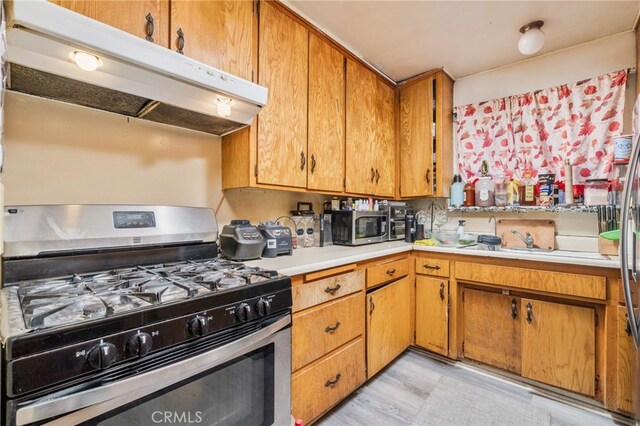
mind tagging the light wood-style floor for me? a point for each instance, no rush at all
(398, 393)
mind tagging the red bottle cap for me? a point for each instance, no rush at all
(298, 422)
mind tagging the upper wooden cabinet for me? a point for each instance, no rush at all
(370, 148)
(131, 16)
(282, 123)
(326, 116)
(426, 144)
(217, 33)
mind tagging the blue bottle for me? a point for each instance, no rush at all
(457, 192)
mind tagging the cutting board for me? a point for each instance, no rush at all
(542, 231)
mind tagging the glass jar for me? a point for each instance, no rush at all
(501, 192)
(596, 192)
(485, 190)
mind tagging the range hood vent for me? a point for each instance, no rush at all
(137, 78)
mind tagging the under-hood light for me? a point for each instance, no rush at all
(86, 61)
(224, 106)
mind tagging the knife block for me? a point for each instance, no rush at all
(608, 247)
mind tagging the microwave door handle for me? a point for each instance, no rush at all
(625, 221)
(130, 389)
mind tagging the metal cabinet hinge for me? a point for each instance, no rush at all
(255, 170)
(597, 383)
(463, 347)
(596, 318)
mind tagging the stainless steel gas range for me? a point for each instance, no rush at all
(125, 315)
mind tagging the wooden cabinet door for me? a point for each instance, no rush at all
(388, 324)
(326, 116)
(624, 370)
(416, 141)
(360, 129)
(129, 16)
(492, 329)
(432, 314)
(282, 123)
(216, 32)
(385, 140)
(558, 345)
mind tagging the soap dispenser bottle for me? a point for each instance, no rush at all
(457, 192)
(460, 231)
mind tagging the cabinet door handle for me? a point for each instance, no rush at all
(372, 306)
(391, 271)
(427, 266)
(514, 309)
(149, 27)
(313, 163)
(377, 176)
(332, 290)
(303, 160)
(330, 383)
(180, 43)
(529, 313)
(441, 291)
(330, 329)
(373, 174)
(427, 176)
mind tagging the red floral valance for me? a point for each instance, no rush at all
(540, 130)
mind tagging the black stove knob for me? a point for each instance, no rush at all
(243, 312)
(139, 344)
(102, 356)
(263, 307)
(199, 326)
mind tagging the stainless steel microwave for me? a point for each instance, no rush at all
(354, 228)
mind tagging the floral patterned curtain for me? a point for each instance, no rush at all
(539, 130)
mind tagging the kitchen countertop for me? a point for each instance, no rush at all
(312, 259)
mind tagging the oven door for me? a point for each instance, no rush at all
(244, 382)
(369, 229)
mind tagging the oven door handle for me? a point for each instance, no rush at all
(115, 394)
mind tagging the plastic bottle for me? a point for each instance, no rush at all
(469, 194)
(460, 230)
(568, 183)
(457, 192)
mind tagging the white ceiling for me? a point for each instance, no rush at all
(405, 38)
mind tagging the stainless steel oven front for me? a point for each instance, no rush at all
(239, 376)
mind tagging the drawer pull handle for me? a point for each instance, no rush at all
(332, 290)
(373, 174)
(427, 266)
(303, 160)
(180, 43)
(529, 313)
(391, 271)
(441, 291)
(330, 383)
(372, 306)
(514, 310)
(149, 27)
(330, 329)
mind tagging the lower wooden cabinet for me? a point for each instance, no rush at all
(388, 323)
(492, 329)
(432, 314)
(624, 371)
(558, 345)
(318, 386)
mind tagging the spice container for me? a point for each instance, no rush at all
(527, 191)
(596, 192)
(546, 182)
(469, 195)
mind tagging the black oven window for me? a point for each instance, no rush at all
(368, 227)
(240, 392)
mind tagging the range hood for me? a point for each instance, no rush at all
(137, 78)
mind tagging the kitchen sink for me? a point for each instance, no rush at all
(545, 252)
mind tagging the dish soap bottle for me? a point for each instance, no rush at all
(457, 192)
(460, 231)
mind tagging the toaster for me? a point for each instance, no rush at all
(241, 241)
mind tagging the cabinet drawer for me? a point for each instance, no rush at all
(320, 330)
(386, 272)
(319, 387)
(316, 292)
(588, 286)
(437, 267)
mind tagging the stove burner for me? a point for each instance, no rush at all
(230, 282)
(92, 308)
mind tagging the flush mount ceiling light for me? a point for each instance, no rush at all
(532, 38)
(86, 61)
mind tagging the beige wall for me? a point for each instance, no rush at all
(60, 153)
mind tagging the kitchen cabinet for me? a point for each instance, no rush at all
(217, 33)
(370, 148)
(426, 144)
(387, 271)
(558, 345)
(432, 314)
(388, 323)
(282, 124)
(624, 372)
(492, 329)
(133, 17)
(326, 116)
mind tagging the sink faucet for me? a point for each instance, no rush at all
(528, 240)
